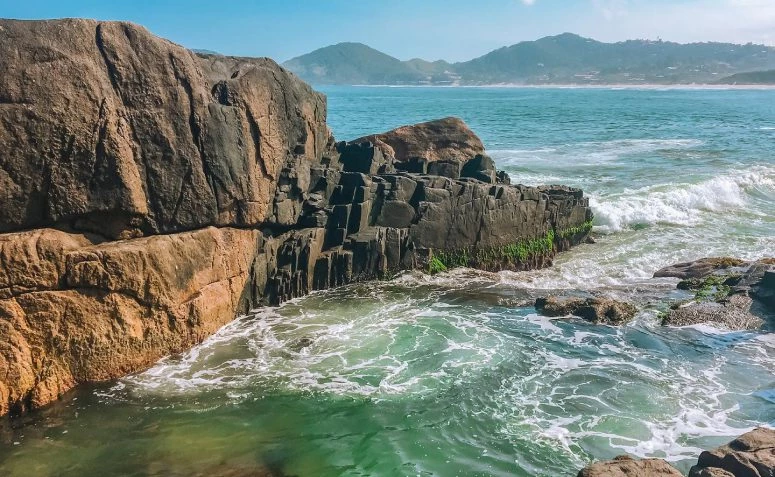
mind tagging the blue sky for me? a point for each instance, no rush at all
(450, 29)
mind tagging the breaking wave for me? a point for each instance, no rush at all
(681, 203)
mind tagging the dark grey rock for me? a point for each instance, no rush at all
(596, 310)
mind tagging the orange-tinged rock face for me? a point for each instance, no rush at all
(96, 312)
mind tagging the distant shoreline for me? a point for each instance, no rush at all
(654, 87)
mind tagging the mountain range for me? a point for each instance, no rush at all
(561, 59)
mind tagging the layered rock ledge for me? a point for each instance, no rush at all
(151, 195)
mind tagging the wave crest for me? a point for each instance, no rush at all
(681, 204)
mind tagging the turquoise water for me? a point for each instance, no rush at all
(455, 375)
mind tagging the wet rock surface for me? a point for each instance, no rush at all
(151, 195)
(750, 455)
(624, 466)
(597, 309)
(728, 292)
(699, 268)
(732, 313)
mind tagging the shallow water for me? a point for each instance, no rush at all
(455, 374)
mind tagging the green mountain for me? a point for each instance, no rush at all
(753, 77)
(561, 59)
(356, 63)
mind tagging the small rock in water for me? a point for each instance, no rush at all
(302, 343)
(596, 310)
(732, 313)
(699, 268)
(729, 293)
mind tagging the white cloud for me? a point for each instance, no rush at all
(611, 9)
(736, 21)
(528, 2)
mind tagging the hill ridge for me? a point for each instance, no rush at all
(565, 58)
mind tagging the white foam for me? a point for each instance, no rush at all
(680, 203)
(699, 398)
(348, 354)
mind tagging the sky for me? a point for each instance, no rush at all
(453, 30)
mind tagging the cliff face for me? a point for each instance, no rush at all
(151, 195)
(106, 128)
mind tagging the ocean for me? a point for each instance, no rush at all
(455, 374)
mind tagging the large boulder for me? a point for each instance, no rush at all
(441, 139)
(750, 455)
(625, 466)
(107, 128)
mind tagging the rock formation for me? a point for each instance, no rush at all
(750, 455)
(151, 195)
(624, 466)
(451, 139)
(106, 128)
(729, 292)
(597, 310)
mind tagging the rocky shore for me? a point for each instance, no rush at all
(728, 292)
(151, 195)
(724, 292)
(750, 455)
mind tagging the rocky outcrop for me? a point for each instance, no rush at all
(103, 310)
(728, 292)
(597, 309)
(625, 466)
(152, 195)
(137, 135)
(750, 455)
(439, 140)
(700, 268)
(731, 313)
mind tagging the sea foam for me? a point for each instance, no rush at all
(680, 203)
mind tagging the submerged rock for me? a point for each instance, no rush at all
(597, 310)
(625, 466)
